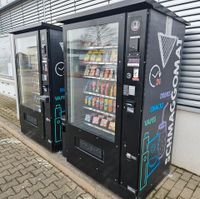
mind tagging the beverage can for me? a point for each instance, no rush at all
(97, 103)
(110, 105)
(90, 100)
(101, 103)
(94, 102)
(114, 106)
(107, 89)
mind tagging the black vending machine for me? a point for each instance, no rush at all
(123, 64)
(40, 75)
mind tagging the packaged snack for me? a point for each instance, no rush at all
(90, 98)
(107, 89)
(93, 71)
(97, 103)
(88, 118)
(93, 56)
(98, 87)
(110, 105)
(96, 120)
(87, 56)
(106, 73)
(111, 74)
(94, 84)
(86, 100)
(114, 106)
(94, 102)
(111, 126)
(103, 87)
(99, 56)
(87, 71)
(104, 123)
(97, 73)
(106, 105)
(106, 56)
(101, 107)
(113, 57)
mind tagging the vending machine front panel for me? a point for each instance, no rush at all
(29, 81)
(94, 66)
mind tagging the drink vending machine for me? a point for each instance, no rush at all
(40, 75)
(122, 64)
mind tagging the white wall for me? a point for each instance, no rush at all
(186, 151)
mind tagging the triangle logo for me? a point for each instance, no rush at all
(166, 45)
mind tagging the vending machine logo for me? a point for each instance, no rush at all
(59, 69)
(155, 76)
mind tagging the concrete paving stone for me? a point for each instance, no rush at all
(87, 196)
(7, 193)
(197, 178)
(38, 178)
(45, 191)
(172, 168)
(24, 177)
(186, 176)
(59, 183)
(35, 188)
(13, 176)
(27, 170)
(49, 180)
(20, 195)
(35, 195)
(5, 167)
(174, 193)
(2, 181)
(161, 194)
(186, 193)
(4, 173)
(60, 192)
(8, 185)
(22, 186)
(51, 196)
(192, 184)
(14, 169)
(72, 185)
(75, 193)
(175, 176)
(39, 171)
(196, 193)
(48, 173)
(161, 183)
(179, 170)
(180, 184)
(168, 184)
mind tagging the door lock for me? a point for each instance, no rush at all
(130, 156)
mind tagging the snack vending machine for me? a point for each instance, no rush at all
(40, 75)
(123, 63)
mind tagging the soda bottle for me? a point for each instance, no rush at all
(97, 103)
(111, 91)
(106, 105)
(98, 87)
(90, 100)
(86, 100)
(94, 84)
(97, 73)
(94, 102)
(106, 73)
(110, 105)
(103, 86)
(110, 74)
(101, 104)
(107, 89)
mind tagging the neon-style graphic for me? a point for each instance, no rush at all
(58, 123)
(153, 150)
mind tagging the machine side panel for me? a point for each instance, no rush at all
(164, 45)
(57, 94)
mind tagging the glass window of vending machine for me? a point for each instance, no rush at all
(122, 64)
(40, 76)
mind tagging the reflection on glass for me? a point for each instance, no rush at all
(92, 77)
(28, 73)
(5, 57)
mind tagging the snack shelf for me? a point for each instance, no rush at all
(99, 111)
(100, 63)
(99, 95)
(100, 78)
(99, 128)
(99, 47)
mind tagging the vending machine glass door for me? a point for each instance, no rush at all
(27, 61)
(92, 60)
